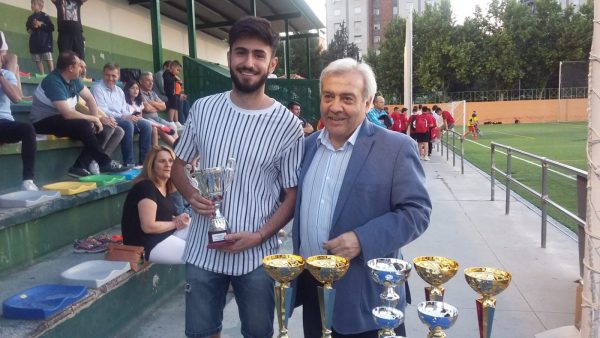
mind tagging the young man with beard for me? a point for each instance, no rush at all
(267, 141)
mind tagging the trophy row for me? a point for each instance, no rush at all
(390, 273)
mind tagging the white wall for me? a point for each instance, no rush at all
(119, 18)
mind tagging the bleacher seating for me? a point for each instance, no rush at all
(36, 246)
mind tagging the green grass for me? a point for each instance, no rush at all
(561, 142)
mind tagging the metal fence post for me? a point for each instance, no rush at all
(462, 155)
(493, 169)
(543, 200)
(453, 151)
(508, 178)
(448, 147)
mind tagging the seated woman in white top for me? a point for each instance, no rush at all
(149, 217)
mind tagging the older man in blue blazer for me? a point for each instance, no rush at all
(361, 196)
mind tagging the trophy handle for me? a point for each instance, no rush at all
(190, 177)
(229, 174)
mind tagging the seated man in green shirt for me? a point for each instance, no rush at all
(53, 112)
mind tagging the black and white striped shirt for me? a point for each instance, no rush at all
(268, 146)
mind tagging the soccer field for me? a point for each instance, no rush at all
(561, 142)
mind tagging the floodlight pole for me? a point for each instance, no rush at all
(408, 51)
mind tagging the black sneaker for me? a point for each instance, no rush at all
(113, 167)
(78, 172)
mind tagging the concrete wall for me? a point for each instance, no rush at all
(117, 17)
(526, 111)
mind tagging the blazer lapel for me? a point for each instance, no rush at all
(362, 148)
(310, 148)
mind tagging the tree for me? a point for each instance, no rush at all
(433, 30)
(389, 64)
(500, 65)
(510, 44)
(298, 60)
(340, 47)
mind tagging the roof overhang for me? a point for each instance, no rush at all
(214, 17)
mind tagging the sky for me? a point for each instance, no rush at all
(460, 8)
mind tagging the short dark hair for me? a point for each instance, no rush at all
(293, 103)
(110, 66)
(166, 63)
(174, 63)
(404, 109)
(251, 26)
(66, 59)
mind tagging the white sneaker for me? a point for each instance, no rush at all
(94, 168)
(426, 158)
(178, 125)
(29, 185)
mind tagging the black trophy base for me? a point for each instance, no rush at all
(216, 240)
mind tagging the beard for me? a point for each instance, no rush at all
(247, 87)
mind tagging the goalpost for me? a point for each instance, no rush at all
(457, 109)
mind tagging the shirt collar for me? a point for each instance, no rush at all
(323, 138)
(106, 87)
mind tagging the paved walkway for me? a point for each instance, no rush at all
(468, 227)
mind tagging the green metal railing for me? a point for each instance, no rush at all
(451, 146)
(546, 165)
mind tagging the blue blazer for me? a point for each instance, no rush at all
(383, 199)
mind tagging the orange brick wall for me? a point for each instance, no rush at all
(526, 111)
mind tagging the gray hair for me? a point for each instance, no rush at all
(146, 74)
(350, 65)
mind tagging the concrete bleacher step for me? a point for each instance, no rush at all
(26, 234)
(103, 312)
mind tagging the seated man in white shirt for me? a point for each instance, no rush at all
(111, 99)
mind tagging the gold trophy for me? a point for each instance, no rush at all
(438, 316)
(488, 282)
(283, 268)
(435, 270)
(327, 269)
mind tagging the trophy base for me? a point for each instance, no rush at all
(216, 240)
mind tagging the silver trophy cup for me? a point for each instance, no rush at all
(212, 183)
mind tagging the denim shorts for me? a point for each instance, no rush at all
(205, 295)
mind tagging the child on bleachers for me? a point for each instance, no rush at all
(12, 131)
(40, 28)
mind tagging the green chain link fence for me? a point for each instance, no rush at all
(203, 78)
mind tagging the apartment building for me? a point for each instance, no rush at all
(366, 20)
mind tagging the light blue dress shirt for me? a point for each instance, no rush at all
(110, 101)
(320, 191)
